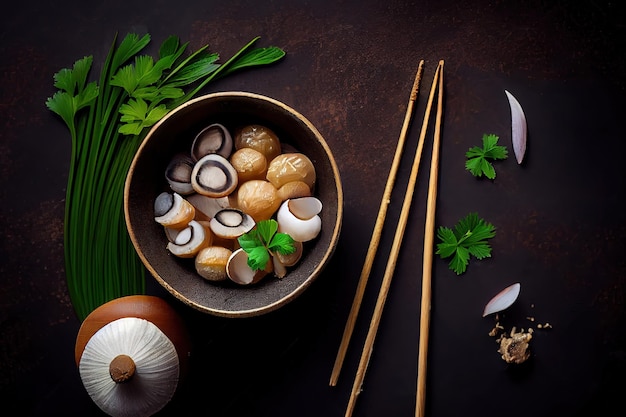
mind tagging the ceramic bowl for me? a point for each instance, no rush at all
(146, 180)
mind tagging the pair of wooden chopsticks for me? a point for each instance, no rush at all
(437, 84)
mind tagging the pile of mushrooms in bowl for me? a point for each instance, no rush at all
(216, 175)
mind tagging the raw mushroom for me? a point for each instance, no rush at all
(178, 174)
(230, 223)
(249, 163)
(281, 262)
(214, 176)
(211, 262)
(215, 139)
(131, 353)
(172, 210)
(240, 272)
(258, 198)
(299, 218)
(190, 240)
(289, 167)
(294, 189)
(207, 206)
(260, 138)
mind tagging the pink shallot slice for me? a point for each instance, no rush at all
(518, 127)
(503, 300)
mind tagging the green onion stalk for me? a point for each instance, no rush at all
(107, 120)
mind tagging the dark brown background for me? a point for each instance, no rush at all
(349, 68)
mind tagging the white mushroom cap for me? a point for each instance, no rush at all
(156, 373)
(301, 223)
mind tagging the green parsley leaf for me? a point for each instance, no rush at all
(136, 115)
(262, 241)
(479, 159)
(468, 238)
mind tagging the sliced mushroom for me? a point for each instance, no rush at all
(172, 210)
(258, 198)
(178, 174)
(240, 272)
(301, 230)
(288, 167)
(214, 176)
(230, 223)
(207, 206)
(213, 139)
(189, 241)
(211, 262)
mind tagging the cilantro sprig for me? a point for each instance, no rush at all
(468, 238)
(264, 240)
(479, 159)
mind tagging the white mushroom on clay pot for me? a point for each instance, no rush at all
(131, 353)
(299, 218)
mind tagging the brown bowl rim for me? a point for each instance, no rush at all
(318, 268)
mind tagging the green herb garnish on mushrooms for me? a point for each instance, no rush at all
(264, 240)
(108, 119)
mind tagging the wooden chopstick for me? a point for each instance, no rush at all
(429, 236)
(376, 235)
(391, 263)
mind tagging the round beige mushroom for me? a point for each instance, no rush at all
(211, 262)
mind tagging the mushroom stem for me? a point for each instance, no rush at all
(122, 368)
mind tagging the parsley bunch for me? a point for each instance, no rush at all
(479, 159)
(468, 238)
(262, 241)
(107, 120)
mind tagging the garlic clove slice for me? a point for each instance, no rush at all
(503, 300)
